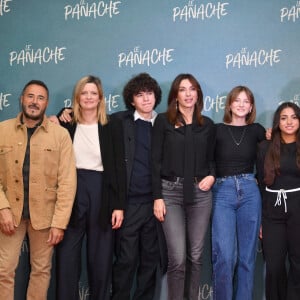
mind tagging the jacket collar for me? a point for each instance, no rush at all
(20, 124)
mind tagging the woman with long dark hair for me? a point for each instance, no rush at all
(279, 178)
(183, 173)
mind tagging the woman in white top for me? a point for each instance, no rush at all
(98, 206)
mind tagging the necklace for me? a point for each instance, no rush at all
(241, 138)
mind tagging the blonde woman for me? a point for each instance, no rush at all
(98, 206)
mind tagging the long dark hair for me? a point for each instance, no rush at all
(175, 117)
(272, 159)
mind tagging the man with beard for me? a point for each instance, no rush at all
(37, 188)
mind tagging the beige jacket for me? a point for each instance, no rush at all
(52, 180)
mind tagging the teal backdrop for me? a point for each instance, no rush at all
(223, 43)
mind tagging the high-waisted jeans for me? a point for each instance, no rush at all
(236, 221)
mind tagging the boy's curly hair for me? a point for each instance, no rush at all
(142, 82)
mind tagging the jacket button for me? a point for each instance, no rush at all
(16, 161)
(17, 199)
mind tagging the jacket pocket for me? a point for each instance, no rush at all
(51, 162)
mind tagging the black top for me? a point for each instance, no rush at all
(236, 147)
(289, 177)
(168, 151)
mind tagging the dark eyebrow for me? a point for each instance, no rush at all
(293, 115)
(39, 96)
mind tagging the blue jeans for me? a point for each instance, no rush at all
(236, 220)
(185, 228)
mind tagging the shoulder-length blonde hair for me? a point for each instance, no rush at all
(101, 109)
(233, 94)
